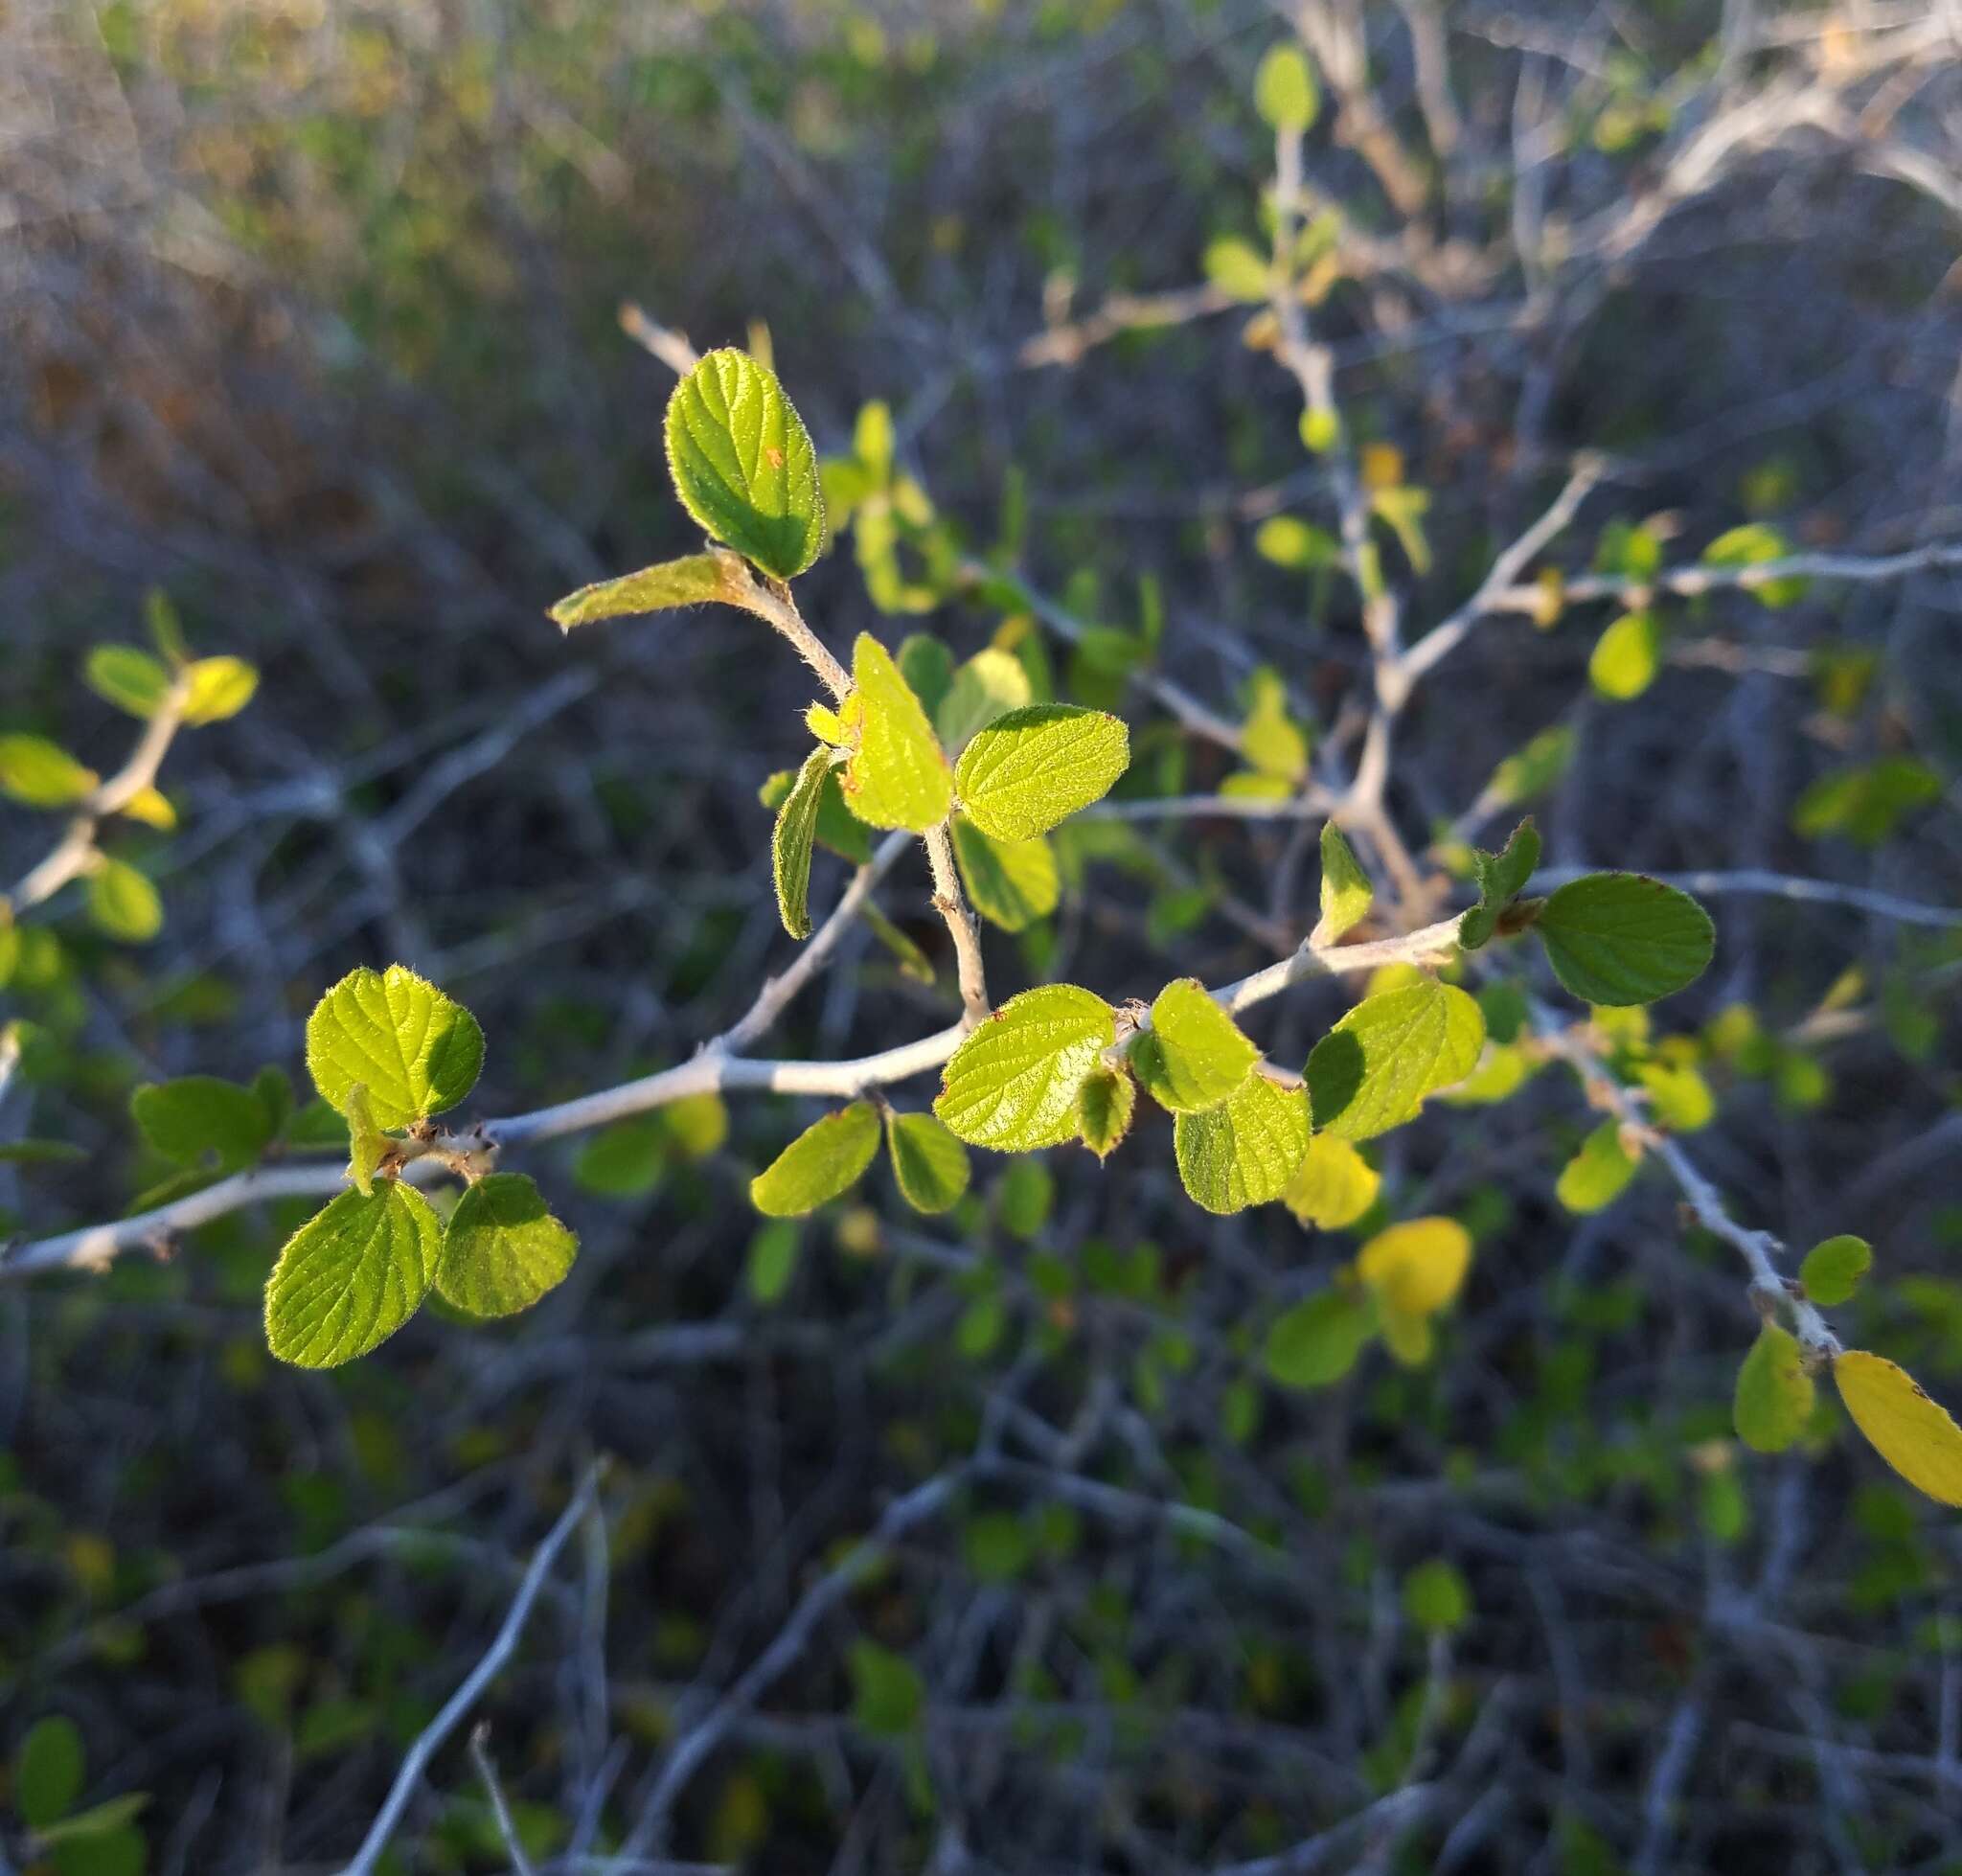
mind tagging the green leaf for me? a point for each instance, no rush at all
(108, 1853)
(1620, 938)
(931, 1166)
(1302, 547)
(1371, 1072)
(1500, 879)
(1346, 892)
(1244, 1153)
(1596, 1175)
(351, 1276)
(98, 1822)
(1534, 769)
(166, 629)
(1011, 883)
(1104, 1108)
(1037, 766)
(1025, 1196)
(1775, 1393)
(1332, 1186)
(1239, 269)
(48, 1771)
(1193, 1055)
(692, 580)
(1868, 802)
(41, 1152)
(415, 1050)
(1914, 1435)
(924, 662)
(1013, 1084)
(1316, 1342)
(129, 677)
(1270, 737)
(791, 841)
(123, 903)
(825, 1159)
(151, 806)
(1833, 1268)
(198, 1115)
(1284, 90)
(1626, 656)
(1436, 1597)
(887, 1693)
(772, 1260)
(624, 1160)
(503, 1249)
(218, 688)
(742, 462)
(1752, 545)
(42, 774)
(838, 829)
(912, 961)
(991, 684)
(897, 777)
(367, 1143)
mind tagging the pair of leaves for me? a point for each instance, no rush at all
(830, 1157)
(1238, 1136)
(387, 1049)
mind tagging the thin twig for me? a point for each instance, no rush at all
(466, 1694)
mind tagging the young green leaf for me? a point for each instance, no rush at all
(1620, 938)
(1626, 657)
(1501, 877)
(1244, 1153)
(930, 1165)
(991, 684)
(825, 1159)
(1596, 1175)
(1332, 1186)
(1193, 1055)
(1410, 1338)
(1104, 1108)
(791, 841)
(888, 1693)
(129, 677)
(1316, 1342)
(1436, 1597)
(772, 1260)
(1011, 883)
(1013, 1084)
(1775, 1393)
(1346, 891)
(367, 1143)
(1239, 269)
(503, 1249)
(1752, 545)
(912, 961)
(1832, 1269)
(838, 829)
(351, 1276)
(692, 580)
(151, 806)
(742, 464)
(198, 1115)
(218, 688)
(1037, 766)
(1372, 1071)
(42, 774)
(897, 777)
(1284, 90)
(122, 901)
(48, 1772)
(415, 1050)
(1417, 1268)
(1914, 1435)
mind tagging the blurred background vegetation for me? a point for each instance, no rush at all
(311, 323)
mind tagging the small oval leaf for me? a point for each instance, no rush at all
(897, 776)
(1774, 1394)
(1013, 1084)
(1193, 1055)
(503, 1248)
(827, 1159)
(1620, 938)
(415, 1050)
(1244, 1153)
(1038, 766)
(742, 462)
(1832, 1269)
(930, 1165)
